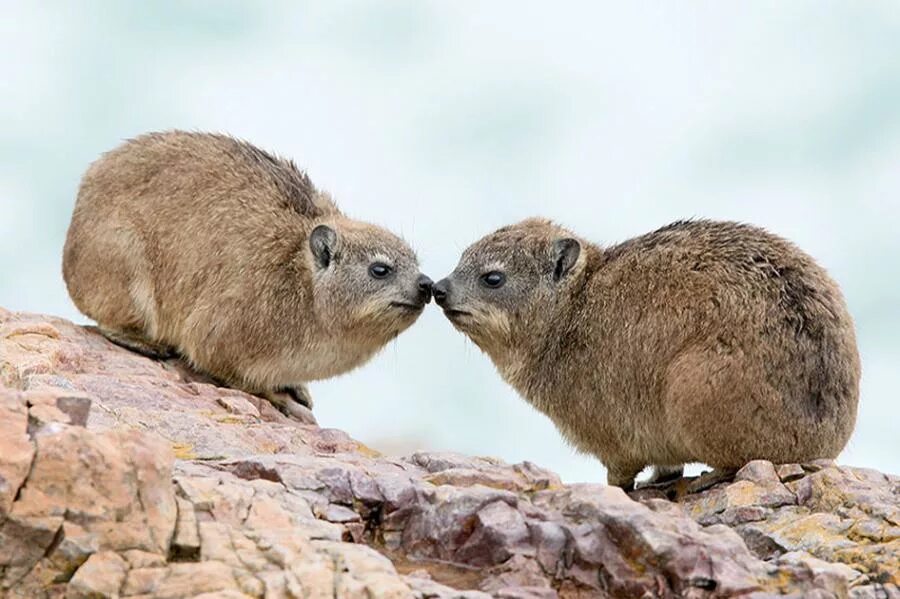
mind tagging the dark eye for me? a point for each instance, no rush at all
(493, 279)
(379, 270)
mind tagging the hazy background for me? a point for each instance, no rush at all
(444, 121)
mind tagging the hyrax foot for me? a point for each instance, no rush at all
(295, 402)
(138, 344)
(663, 477)
(623, 477)
(300, 394)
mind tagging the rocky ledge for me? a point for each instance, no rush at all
(123, 476)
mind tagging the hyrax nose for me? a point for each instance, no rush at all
(440, 290)
(424, 284)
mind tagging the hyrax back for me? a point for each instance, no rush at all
(704, 341)
(230, 256)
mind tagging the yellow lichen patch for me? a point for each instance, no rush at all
(782, 581)
(712, 503)
(229, 419)
(183, 451)
(743, 492)
(738, 494)
(31, 328)
(548, 487)
(269, 448)
(527, 485)
(881, 562)
(9, 376)
(367, 451)
(460, 477)
(469, 477)
(869, 531)
(813, 533)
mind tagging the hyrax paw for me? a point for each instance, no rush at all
(300, 394)
(298, 412)
(293, 402)
(663, 477)
(621, 477)
(137, 344)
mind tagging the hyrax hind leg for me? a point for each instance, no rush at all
(723, 411)
(294, 401)
(620, 475)
(300, 394)
(108, 278)
(664, 475)
(137, 343)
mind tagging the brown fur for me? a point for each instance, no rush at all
(202, 243)
(704, 341)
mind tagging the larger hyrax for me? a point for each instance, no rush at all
(704, 341)
(228, 255)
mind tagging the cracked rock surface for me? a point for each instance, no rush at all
(121, 476)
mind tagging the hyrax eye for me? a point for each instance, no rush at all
(493, 279)
(379, 270)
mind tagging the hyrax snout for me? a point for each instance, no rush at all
(703, 341)
(209, 247)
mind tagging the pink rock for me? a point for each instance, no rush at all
(16, 449)
(171, 467)
(102, 575)
(500, 532)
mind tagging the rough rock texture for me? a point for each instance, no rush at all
(121, 476)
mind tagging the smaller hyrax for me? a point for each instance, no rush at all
(208, 247)
(710, 342)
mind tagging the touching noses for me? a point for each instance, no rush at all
(440, 290)
(424, 284)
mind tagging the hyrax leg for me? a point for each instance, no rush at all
(621, 476)
(664, 475)
(136, 343)
(722, 409)
(300, 394)
(663, 478)
(294, 401)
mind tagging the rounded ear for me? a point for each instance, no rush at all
(565, 254)
(323, 241)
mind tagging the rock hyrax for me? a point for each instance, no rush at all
(704, 341)
(207, 246)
